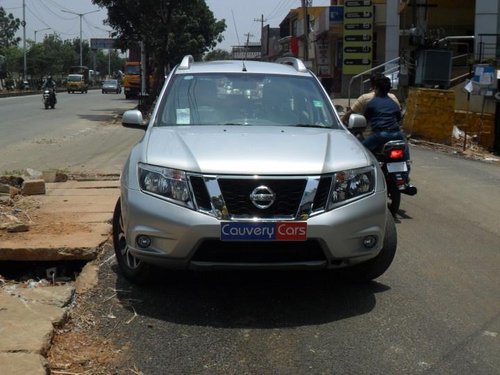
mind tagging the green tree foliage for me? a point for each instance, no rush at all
(169, 29)
(13, 59)
(217, 54)
(8, 28)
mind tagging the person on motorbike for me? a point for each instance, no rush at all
(360, 103)
(51, 85)
(384, 116)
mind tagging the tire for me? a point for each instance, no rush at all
(46, 106)
(134, 270)
(394, 199)
(104, 92)
(375, 267)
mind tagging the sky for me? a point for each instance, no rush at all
(242, 17)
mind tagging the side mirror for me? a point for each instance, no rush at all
(356, 122)
(133, 119)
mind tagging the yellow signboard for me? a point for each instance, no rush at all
(357, 51)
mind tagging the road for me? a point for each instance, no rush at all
(436, 310)
(76, 136)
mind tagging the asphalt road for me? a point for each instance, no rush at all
(76, 136)
(435, 311)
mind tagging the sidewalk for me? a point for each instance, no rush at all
(70, 222)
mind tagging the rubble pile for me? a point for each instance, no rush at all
(17, 198)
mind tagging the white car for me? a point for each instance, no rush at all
(246, 165)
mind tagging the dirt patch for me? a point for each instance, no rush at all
(84, 345)
(77, 349)
(27, 210)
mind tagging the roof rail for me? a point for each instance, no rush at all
(298, 64)
(186, 62)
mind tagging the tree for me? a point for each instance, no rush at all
(217, 54)
(169, 29)
(8, 28)
(13, 59)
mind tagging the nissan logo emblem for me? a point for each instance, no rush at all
(262, 197)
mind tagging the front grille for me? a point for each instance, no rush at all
(229, 197)
(258, 252)
(236, 194)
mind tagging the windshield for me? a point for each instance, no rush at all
(111, 82)
(245, 99)
(132, 69)
(75, 78)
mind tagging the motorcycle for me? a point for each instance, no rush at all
(393, 162)
(49, 98)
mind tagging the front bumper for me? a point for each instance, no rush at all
(178, 235)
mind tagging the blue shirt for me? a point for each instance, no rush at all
(383, 114)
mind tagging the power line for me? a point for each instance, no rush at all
(54, 13)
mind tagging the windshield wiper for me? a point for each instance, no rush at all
(311, 126)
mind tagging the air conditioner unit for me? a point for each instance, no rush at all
(434, 68)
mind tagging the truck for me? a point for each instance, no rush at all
(78, 79)
(132, 79)
(132, 71)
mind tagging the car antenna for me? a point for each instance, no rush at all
(238, 39)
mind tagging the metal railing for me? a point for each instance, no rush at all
(393, 69)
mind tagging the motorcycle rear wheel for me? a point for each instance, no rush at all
(394, 199)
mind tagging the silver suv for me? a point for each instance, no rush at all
(246, 165)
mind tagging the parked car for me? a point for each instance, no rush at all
(111, 85)
(246, 165)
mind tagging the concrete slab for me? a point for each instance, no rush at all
(23, 364)
(27, 326)
(27, 320)
(70, 222)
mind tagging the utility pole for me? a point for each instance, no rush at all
(305, 4)
(248, 35)
(80, 15)
(261, 20)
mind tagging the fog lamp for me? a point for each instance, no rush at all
(143, 241)
(369, 241)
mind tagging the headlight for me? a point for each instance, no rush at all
(168, 183)
(351, 185)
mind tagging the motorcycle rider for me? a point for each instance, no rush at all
(384, 116)
(360, 103)
(51, 85)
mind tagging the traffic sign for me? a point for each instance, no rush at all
(102, 43)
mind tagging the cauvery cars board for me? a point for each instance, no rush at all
(246, 165)
(280, 231)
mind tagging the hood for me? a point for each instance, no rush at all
(253, 150)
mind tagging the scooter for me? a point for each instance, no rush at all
(393, 162)
(49, 98)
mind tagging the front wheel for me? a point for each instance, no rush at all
(375, 267)
(134, 270)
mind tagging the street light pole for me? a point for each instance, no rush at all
(23, 23)
(81, 16)
(47, 28)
